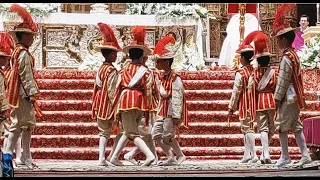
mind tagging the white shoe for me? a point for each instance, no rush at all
(130, 159)
(282, 162)
(103, 163)
(169, 162)
(245, 160)
(28, 163)
(149, 161)
(254, 160)
(181, 159)
(115, 162)
(305, 160)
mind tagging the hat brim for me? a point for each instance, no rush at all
(245, 50)
(22, 30)
(4, 55)
(146, 50)
(284, 31)
(107, 47)
(263, 54)
(165, 57)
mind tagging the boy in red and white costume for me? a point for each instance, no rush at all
(172, 109)
(240, 99)
(261, 87)
(289, 93)
(135, 97)
(105, 89)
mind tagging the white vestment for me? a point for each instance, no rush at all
(232, 41)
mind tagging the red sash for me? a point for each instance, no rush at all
(296, 78)
(14, 80)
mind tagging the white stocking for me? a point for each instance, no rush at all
(120, 146)
(284, 158)
(301, 141)
(102, 148)
(246, 155)
(176, 147)
(145, 149)
(251, 144)
(18, 149)
(265, 145)
(26, 140)
(115, 143)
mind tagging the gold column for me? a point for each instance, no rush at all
(242, 12)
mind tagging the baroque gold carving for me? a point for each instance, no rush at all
(217, 27)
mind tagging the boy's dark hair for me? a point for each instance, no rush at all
(247, 56)
(19, 36)
(263, 60)
(289, 36)
(304, 16)
(170, 61)
(106, 52)
(135, 53)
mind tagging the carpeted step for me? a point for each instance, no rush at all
(65, 84)
(65, 116)
(216, 140)
(207, 84)
(222, 105)
(65, 74)
(190, 152)
(80, 128)
(65, 95)
(206, 95)
(90, 74)
(65, 105)
(191, 95)
(207, 75)
(194, 116)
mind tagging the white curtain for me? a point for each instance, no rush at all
(231, 42)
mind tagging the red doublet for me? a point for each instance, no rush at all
(244, 96)
(134, 97)
(296, 79)
(155, 93)
(100, 100)
(265, 97)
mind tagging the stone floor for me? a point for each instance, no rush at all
(190, 168)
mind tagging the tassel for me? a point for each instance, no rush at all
(115, 128)
(228, 120)
(39, 113)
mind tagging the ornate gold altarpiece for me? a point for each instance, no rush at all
(64, 51)
(67, 39)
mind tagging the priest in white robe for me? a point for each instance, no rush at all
(232, 41)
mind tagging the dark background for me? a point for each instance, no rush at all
(309, 10)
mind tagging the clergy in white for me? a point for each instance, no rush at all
(232, 41)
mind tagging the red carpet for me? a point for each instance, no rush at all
(66, 130)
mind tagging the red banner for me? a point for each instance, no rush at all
(234, 8)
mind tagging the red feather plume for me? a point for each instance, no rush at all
(25, 16)
(250, 37)
(281, 14)
(6, 43)
(160, 47)
(108, 35)
(139, 34)
(261, 43)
